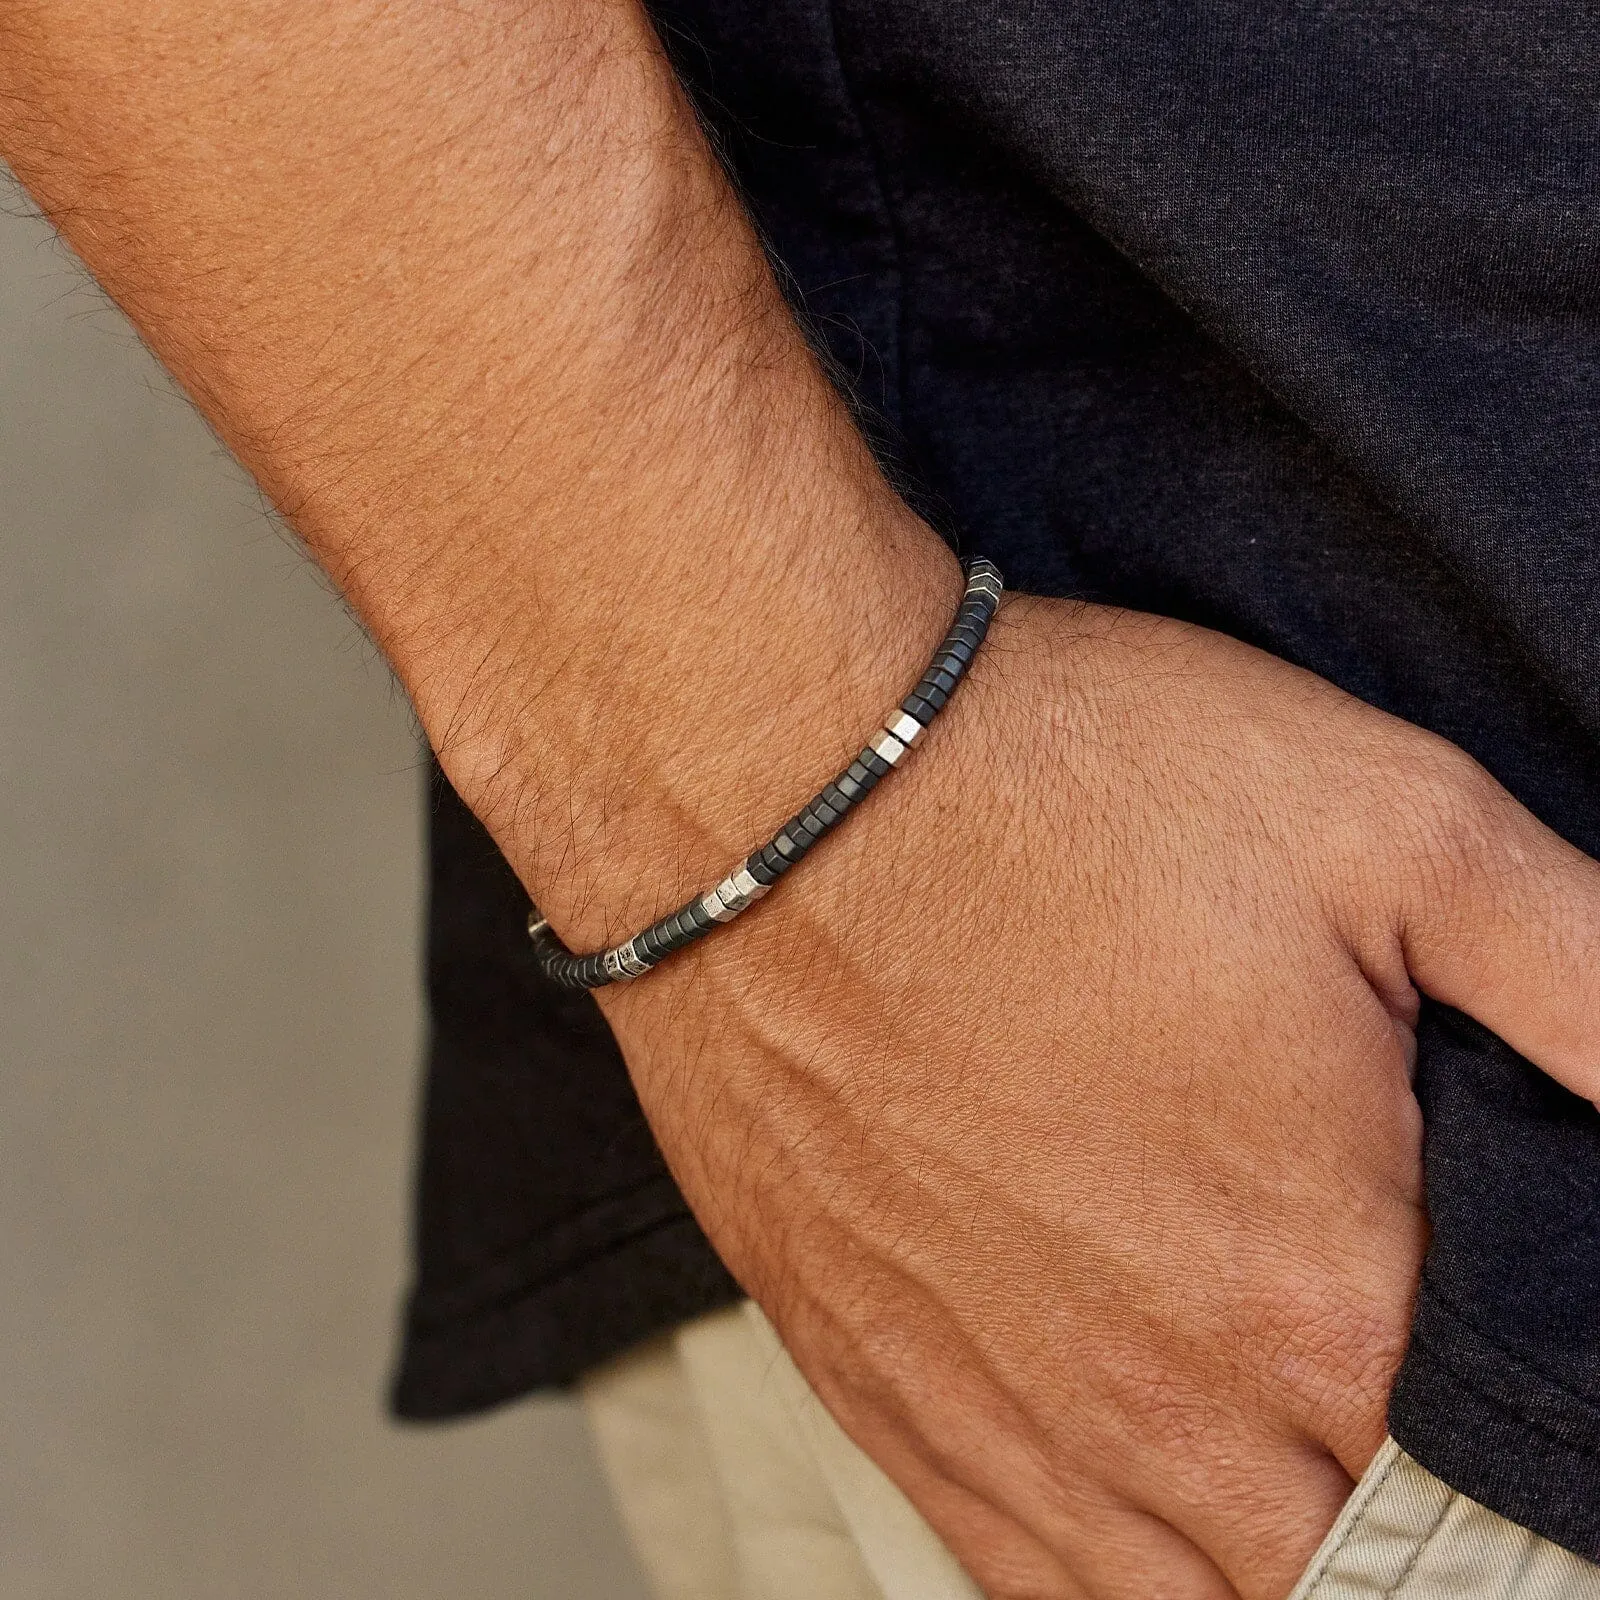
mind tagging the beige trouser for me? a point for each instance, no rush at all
(735, 1484)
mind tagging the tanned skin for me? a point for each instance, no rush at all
(1057, 1111)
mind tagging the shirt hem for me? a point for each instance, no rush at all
(552, 1331)
(1497, 1430)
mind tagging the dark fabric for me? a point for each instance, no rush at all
(1501, 1386)
(549, 1233)
(1279, 317)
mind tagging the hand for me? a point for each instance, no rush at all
(1058, 1113)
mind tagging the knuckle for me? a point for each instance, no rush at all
(1458, 813)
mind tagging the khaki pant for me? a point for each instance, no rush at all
(735, 1484)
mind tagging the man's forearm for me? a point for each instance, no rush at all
(466, 291)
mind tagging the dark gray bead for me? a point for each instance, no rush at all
(861, 775)
(803, 838)
(773, 859)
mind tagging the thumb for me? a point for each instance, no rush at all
(1502, 921)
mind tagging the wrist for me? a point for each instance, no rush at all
(663, 728)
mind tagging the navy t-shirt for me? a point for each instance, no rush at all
(1280, 316)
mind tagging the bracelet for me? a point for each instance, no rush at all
(759, 872)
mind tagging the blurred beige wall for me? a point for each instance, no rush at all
(209, 900)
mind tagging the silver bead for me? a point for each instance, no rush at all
(748, 886)
(715, 907)
(906, 728)
(887, 748)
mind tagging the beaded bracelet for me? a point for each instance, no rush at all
(748, 883)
